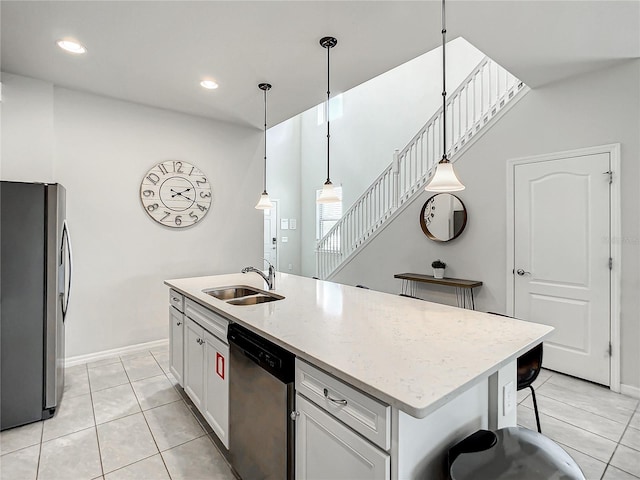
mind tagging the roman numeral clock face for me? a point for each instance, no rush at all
(175, 194)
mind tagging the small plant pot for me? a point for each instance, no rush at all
(438, 273)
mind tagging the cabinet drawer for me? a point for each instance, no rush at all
(366, 415)
(177, 300)
(210, 321)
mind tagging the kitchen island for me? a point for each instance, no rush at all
(443, 372)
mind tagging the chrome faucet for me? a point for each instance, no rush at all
(271, 279)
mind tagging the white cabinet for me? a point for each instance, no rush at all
(319, 437)
(216, 394)
(176, 344)
(206, 366)
(194, 362)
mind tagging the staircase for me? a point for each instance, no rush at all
(474, 106)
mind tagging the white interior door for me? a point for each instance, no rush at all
(271, 234)
(561, 260)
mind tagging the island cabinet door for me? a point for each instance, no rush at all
(176, 344)
(194, 362)
(216, 393)
(326, 448)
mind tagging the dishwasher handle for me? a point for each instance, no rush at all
(251, 357)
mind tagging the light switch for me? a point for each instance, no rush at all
(292, 224)
(284, 224)
(285, 239)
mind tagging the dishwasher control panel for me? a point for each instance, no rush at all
(273, 358)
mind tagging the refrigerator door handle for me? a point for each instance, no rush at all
(66, 293)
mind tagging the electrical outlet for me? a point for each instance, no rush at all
(290, 266)
(508, 398)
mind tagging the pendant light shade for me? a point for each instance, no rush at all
(328, 194)
(265, 202)
(444, 179)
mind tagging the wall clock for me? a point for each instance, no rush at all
(175, 194)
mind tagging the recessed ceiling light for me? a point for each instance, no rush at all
(71, 46)
(210, 84)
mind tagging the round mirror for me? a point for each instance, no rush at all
(443, 217)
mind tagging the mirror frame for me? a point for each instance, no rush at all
(423, 223)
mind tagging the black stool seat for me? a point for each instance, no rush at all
(512, 453)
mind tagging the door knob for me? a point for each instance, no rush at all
(521, 272)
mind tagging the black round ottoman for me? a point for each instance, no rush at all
(512, 453)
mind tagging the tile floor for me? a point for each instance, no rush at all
(123, 418)
(598, 428)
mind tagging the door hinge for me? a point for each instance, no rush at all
(610, 349)
(610, 173)
(610, 263)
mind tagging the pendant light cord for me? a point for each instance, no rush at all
(265, 140)
(328, 99)
(444, 88)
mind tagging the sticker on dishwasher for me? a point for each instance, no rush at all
(220, 365)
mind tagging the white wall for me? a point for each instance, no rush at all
(379, 116)
(283, 184)
(27, 113)
(102, 149)
(595, 109)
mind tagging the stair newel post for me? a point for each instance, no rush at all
(396, 180)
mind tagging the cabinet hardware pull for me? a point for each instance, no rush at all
(334, 400)
(175, 299)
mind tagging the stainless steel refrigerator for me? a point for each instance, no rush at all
(35, 282)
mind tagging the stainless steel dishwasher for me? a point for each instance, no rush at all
(261, 400)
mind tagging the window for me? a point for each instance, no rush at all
(328, 214)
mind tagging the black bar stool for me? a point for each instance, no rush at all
(529, 365)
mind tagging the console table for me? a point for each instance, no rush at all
(464, 288)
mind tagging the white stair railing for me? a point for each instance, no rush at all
(485, 92)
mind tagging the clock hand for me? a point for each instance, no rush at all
(179, 193)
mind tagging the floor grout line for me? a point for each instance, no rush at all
(146, 421)
(577, 426)
(40, 449)
(95, 423)
(541, 394)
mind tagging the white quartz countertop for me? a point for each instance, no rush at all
(411, 354)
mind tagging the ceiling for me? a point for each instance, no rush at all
(156, 52)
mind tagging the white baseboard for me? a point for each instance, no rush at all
(630, 390)
(92, 357)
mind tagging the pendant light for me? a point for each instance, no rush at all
(445, 178)
(265, 202)
(328, 194)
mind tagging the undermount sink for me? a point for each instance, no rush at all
(228, 293)
(254, 300)
(242, 295)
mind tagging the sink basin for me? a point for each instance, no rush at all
(254, 300)
(242, 295)
(229, 293)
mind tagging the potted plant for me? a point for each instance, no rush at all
(438, 268)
